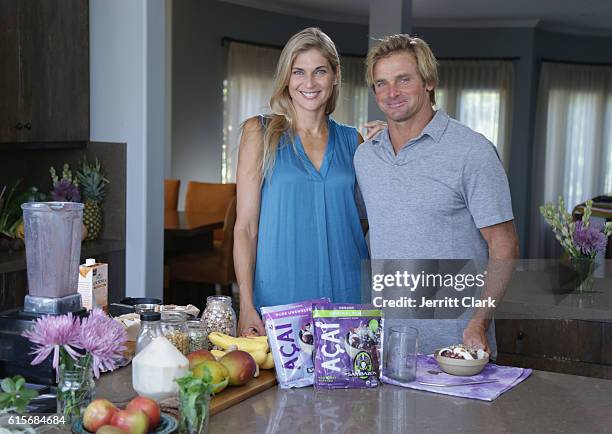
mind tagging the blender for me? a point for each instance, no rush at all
(53, 233)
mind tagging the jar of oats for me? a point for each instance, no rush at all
(174, 328)
(219, 316)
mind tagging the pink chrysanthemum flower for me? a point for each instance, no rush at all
(102, 338)
(50, 333)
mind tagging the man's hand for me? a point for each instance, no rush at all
(249, 323)
(474, 336)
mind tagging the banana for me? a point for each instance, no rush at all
(258, 338)
(245, 344)
(268, 363)
(217, 353)
(258, 356)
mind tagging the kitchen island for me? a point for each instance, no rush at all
(544, 402)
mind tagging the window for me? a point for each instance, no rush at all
(478, 93)
(573, 141)
(248, 88)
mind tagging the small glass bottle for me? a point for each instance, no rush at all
(174, 328)
(150, 328)
(219, 316)
(197, 335)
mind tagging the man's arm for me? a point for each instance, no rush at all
(503, 250)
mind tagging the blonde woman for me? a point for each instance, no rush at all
(298, 234)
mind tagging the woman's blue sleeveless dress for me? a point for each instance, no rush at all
(310, 242)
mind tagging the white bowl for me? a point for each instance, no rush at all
(461, 366)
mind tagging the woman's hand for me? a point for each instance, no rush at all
(373, 128)
(249, 323)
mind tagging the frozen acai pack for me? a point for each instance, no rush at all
(291, 338)
(347, 345)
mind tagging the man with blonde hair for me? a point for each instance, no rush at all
(433, 188)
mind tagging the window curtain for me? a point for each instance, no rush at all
(572, 144)
(478, 93)
(248, 87)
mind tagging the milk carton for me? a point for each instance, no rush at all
(93, 284)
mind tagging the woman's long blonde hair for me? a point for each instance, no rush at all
(283, 116)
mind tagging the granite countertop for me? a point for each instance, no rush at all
(544, 402)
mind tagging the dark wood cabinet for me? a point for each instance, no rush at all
(44, 71)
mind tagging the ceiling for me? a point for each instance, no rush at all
(569, 16)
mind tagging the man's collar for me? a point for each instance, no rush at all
(436, 126)
(434, 129)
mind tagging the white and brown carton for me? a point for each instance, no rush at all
(93, 284)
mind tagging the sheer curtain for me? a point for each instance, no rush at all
(573, 143)
(248, 86)
(478, 93)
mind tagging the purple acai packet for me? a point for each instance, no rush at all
(347, 345)
(291, 338)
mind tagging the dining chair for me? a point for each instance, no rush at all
(171, 193)
(213, 266)
(209, 197)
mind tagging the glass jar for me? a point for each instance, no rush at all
(197, 335)
(193, 413)
(150, 328)
(219, 316)
(75, 390)
(174, 328)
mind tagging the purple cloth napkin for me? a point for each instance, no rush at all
(507, 377)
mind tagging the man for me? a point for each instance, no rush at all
(433, 188)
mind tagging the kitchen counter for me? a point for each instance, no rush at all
(544, 402)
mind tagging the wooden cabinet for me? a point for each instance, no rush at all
(44, 71)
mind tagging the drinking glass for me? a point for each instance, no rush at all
(400, 353)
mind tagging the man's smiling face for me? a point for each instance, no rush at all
(399, 89)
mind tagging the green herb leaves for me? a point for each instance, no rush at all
(14, 395)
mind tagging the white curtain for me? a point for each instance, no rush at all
(248, 87)
(572, 145)
(478, 93)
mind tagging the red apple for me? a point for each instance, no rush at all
(199, 356)
(150, 408)
(131, 421)
(109, 429)
(98, 413)
(241, 367)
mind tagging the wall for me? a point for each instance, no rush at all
(127, 71)
(198, 71)
(199, 62)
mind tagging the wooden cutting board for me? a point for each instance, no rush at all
(234, 395)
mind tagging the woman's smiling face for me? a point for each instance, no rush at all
(312, 81)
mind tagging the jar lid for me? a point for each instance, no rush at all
(173, 317)
(150, 316)
(219, 299)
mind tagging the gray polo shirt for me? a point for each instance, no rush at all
(429, 202)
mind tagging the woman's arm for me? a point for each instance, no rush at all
(248, 184)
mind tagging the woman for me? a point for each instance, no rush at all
(298, 234)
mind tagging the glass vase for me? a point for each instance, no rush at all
(75, 390)
(583, 267)
(194, 416)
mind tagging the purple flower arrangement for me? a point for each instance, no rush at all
(66, 188)
(97, 341)
(580, 239)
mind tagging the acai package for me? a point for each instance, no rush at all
(347, 345)
(291, 338)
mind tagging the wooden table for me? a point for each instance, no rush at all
(187, 232)
(189, 224)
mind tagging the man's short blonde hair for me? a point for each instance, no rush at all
(427, 64)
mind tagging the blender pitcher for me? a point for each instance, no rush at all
(53, 232)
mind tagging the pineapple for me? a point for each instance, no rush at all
(93, 184)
